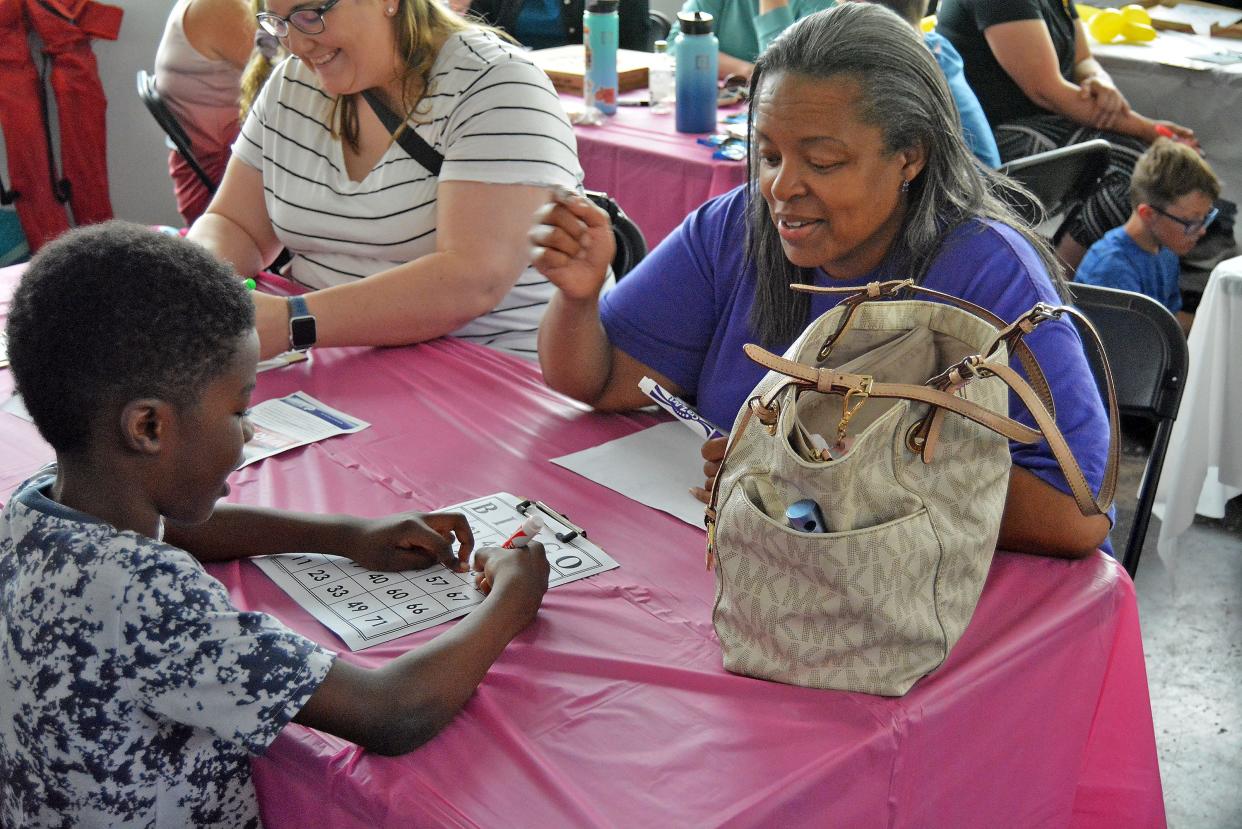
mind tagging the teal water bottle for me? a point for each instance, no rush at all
(697, 55)
(599, 33)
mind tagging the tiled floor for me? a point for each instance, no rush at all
(1191, 615)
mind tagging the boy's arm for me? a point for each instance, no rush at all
(396, 708)
(405, 541)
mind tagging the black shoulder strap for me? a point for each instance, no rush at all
(410, 141)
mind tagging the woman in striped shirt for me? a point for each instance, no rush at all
(393, 252)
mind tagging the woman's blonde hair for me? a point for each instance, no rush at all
(267, 53)
(421, 25)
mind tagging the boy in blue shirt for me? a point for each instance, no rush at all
(1172, 192)
(133, 690)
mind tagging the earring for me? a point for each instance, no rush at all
(391, 11)
(905, 185)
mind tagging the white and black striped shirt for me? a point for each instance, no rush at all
(492, 114)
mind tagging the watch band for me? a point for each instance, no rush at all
(302, 332)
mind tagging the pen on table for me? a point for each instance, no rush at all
(634, 102)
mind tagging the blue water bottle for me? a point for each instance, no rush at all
(697, 50)
(599, 33)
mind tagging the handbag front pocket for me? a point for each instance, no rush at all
(854, 610)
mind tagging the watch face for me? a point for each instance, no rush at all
(302, 332)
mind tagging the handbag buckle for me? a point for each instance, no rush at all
(766, 415)
(857, 396)
(1042, 312)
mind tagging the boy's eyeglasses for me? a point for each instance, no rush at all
(306, 21)
(1190, 227)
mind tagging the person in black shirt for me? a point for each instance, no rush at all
(1030, 64)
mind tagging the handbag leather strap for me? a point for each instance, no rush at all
(882, 290)
(833, 382)
(414, 145)
(828, 381)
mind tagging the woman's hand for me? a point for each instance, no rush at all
(413, 541)
(713, 453)
(1110, 105)
(574, 246)
(271, 320)
(1175, 132)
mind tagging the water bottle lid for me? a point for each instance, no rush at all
(695, 23)
(602, 6)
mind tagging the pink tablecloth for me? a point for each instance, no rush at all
(612, 709)
(655, 173)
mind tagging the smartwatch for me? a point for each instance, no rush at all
(301, 325)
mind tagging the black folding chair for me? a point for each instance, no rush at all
(1058, 179)
(1147, 351)
(631, 246)
(172, 128)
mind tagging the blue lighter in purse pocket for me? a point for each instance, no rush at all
(805, 516)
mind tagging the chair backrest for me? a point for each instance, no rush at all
(1147, 351)
(172, 128)
(1058, 177)
(658, 26)
(631, 245)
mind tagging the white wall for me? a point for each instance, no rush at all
(137, 159)
(669, 7)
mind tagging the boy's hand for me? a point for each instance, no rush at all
(522, 571)
(413, 541)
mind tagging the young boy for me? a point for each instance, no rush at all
(1172, 191)
(132, 689)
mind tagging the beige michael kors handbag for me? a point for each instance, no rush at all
(892, 418)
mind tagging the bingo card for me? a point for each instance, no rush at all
(367, 607)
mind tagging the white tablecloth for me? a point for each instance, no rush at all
(1159, 82)
(1203, 467)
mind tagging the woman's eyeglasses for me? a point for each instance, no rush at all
(306, 21)
(1190, 227)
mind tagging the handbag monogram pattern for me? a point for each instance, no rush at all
(912, 498)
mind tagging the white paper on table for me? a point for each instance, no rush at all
(294, 420)
(4, 350)
(17, 407)
(287, 358)
(1199, 18)
(656, 467)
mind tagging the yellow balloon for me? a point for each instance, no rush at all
(1135, 13)
(1138, 32)
(1086, 12)
(1106, 25)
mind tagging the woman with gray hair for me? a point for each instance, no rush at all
(858, 172)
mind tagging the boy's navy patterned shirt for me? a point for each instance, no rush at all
(131, 689)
